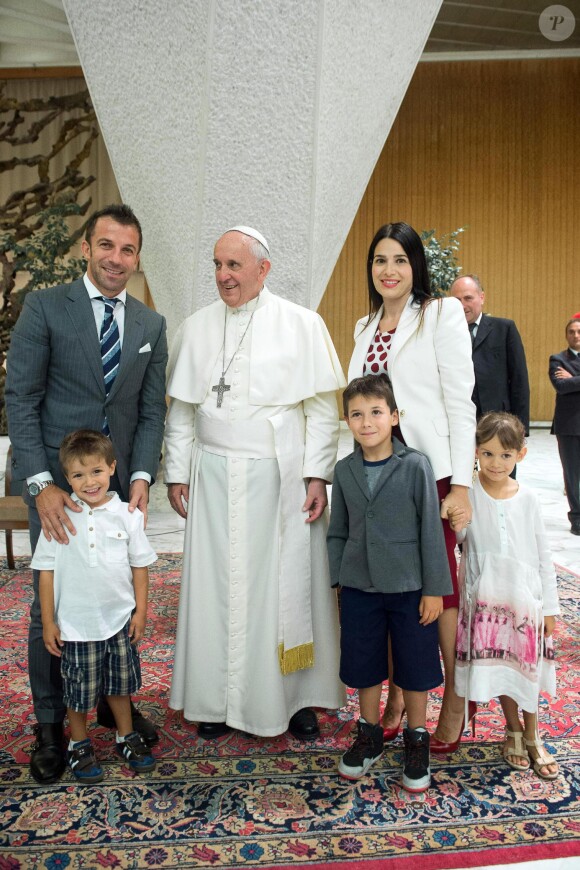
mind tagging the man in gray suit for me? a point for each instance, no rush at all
(56, 383)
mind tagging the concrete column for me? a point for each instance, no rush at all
(260, 112)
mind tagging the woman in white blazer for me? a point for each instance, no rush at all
(423, 344)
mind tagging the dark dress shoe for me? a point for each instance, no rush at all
(575, 529)
(211, 730)
(141, 724)
(303, 725)
(47, 760)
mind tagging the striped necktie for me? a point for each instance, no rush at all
(110, 348)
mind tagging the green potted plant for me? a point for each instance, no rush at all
(440, 253)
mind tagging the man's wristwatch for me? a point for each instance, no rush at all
(35, 488)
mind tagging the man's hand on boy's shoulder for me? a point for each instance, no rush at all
(430, 608)
(51, 504)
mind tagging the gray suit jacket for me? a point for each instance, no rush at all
(54, 383)
(393, 540)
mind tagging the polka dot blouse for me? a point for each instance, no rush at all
(378, 352)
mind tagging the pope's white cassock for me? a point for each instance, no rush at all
(257, 633)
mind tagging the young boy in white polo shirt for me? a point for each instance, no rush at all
(93, 598)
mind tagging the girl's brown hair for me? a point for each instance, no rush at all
(509, 430)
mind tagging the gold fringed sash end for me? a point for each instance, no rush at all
(296, 659)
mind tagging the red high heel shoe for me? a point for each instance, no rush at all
(390, 734)
(440, 746)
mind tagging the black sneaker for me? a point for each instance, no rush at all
(416, 773)
(366, 749)
(136, 753)
(81, 760)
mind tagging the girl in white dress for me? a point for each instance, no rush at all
(507, 571)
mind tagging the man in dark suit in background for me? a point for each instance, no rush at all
(499, 359)
(565, 376)
(59, 378)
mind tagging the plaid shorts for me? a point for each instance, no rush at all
(99, 667)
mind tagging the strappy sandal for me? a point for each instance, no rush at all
(543, 759)
(518, 750)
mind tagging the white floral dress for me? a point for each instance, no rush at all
(507, 585)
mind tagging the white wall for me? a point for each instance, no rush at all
(259, 112)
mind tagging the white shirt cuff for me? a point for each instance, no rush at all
(140, 475)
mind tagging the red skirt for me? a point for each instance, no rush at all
(443, 487)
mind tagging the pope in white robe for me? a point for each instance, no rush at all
(251, 440)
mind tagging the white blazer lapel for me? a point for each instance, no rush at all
(406, 328)
(362, 340)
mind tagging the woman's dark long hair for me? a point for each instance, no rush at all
(413, 247)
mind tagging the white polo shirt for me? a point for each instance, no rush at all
(93, 583)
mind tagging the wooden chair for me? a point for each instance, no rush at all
(13, 511)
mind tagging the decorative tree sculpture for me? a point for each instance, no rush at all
(34, 234)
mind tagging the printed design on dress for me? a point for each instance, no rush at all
(497, 632)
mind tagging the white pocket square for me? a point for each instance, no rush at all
(145, 349)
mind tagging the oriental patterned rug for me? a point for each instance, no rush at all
(256, 803)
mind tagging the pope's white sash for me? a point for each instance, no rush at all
(280, 437)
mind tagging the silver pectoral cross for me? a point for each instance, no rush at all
(220, 388)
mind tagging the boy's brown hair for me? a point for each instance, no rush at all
(83, 443)
(508, 428)
(370, 386)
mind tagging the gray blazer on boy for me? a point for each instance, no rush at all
(392, 540)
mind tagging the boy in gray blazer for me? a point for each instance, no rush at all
(387, 553)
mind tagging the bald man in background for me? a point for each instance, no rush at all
(499, 359)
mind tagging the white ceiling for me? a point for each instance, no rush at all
(498, 26)
(36, 32)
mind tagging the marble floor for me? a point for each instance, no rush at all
(540, 470)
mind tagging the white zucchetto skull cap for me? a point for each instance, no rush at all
(249, 231)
